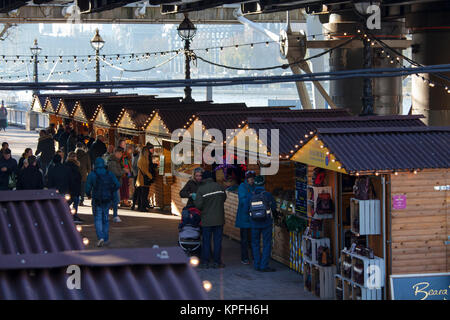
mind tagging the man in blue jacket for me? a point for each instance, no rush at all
(264, 228)
(101, 185)
(245, 191)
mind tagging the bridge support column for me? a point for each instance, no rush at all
(430, 26)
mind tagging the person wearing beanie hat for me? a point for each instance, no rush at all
(101, 186)
(189, 190)
(245, 191)
(30, 178)
(8, 167)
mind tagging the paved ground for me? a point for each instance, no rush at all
(235, 281)
(18, 140)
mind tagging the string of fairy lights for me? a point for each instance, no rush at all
(397, 58)
(119, 58)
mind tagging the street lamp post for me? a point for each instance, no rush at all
(97, 43)
(187, 31)
(35, 50)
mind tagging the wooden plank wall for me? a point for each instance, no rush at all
(177, 204)
(231, 205)
(284, 179)
(419, 231)
(156, 194)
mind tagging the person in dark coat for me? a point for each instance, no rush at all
(62, 141)
(8, 166)
(30, 178)
(46, 148)
(85, 167)
(190, 188)
(58, 176)
(59, 132)
(27, 153)
(73, 166)
(71, 141)
(210, 201)
(98, 148)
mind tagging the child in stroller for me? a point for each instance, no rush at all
(189, 230)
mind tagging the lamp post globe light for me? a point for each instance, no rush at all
(187, 31)
(35, 50)
(97, 44)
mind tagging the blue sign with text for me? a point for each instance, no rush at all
(431, 286)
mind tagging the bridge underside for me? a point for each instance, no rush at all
(53, 13)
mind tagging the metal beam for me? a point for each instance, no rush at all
(326, 44)
(220, 15)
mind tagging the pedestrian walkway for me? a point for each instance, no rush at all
(19, 139)
(235, 281)
(143, 230)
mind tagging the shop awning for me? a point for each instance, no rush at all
(362, 150)
(294, 132)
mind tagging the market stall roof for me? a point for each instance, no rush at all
(235, 120)
(36, 221)
(295, 132)
(178, 117)
(360, 150)
(114, 274)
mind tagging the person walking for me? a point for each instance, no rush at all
(58, 176)
(143, 181)
(46, 149)
(101, 185)
(73, 166)
(125, 163)
(3, 117)
(189, 190)
(98, 148)
(30, 178)
(115, 167)
(62, 141)
(135, 171)
(28, 152)
(71, 142)
(85, 167)
(210, 199)
(261, 222)
(8, 168)
(245, 191)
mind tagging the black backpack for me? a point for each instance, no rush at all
(259, 207)
(103, 188)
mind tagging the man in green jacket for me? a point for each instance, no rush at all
(210, 199)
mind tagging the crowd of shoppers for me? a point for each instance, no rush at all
(64, 161)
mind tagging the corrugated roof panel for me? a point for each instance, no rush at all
(116, 274)
(389, 148)
(36, 221)
(294, 129)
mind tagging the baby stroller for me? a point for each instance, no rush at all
(189, 231)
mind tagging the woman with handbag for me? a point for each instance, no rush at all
(144, 180)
